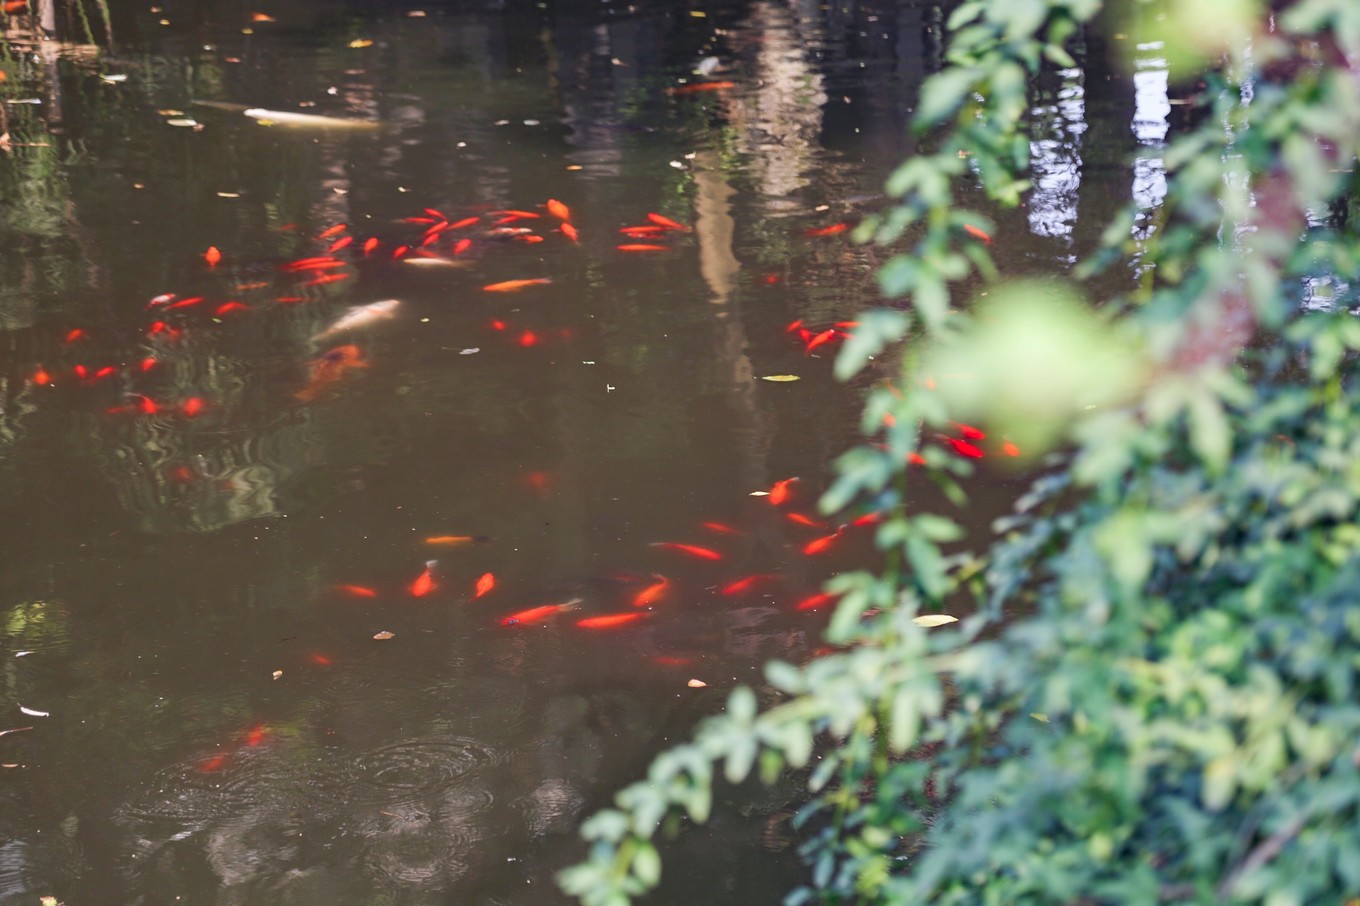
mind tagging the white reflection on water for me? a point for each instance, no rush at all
(1152, 107)
(1055, 158)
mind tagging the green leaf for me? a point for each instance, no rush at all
(875, 331)
(943, 94)
(647, 864)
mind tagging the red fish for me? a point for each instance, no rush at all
(357, 591)
(825, 336)
(779, 493)
(558, 210)
(643, 247)
(333, 231)
(319, 659)
(570, 232)
(424, 583)
(916, 459)
(324, 279)
(484, 585)
(41, 377)
(536, 614)
(530, 238)
(14, 6)
(1010, 449)
(330, 368)
(668, 224)
(465, 222)
(370, 244)
(229, 307)
(642, 232)
(461, 246)
(192, 406)
(721, 528)
(511, 286)
(147, 406)
(212, 256)
(693, 550)
(963, 447)
(609, 621)
(513, 215)
(866, 519)
(808, 521)
(832, 230)
(337, 245)
(212, 765)
(527, 339)
(698, 87)
(742, 586)
(256, 735)
(186, 303)
(316, 263)
(818, 545)
(652, 593)
(814, 601)
(105, 372)
(977, 233)
(435, 213)
(969, 432)
(80, 372)
(74, 335)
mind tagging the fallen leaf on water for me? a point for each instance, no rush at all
(759, 494)
(781, 378)
(473, 350)
(14, 730)
(384, 635)
(31, 713)
(934, 619)
(696, 684)
(358, 43)
(184, 122)
(278, 673)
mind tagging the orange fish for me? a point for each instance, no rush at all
(693, 550)
(229, 307)
(1010, 449)
(41, 377)
(535, 614)
(558, 210)
(192, 406)
(80, 372)
(832, 230)
(435, 212)
(319, 659)
(13, 6)
(643, 247)
(609, 621)
(825, 336)
(697, 87)
(340, 243)
(256, 735)
(465, 222)
(818, 545)
(461, 246)
(511, 286)
(527, 339)
(570, 232)
(742, 586)
(357, 591)
(333, 231)
(370, 244)
(867, 519)
(324, 279)
(424, 583)
(186, 303)
(977, 233)
(456, 540)
(969, 432)
(916, 459)
(963, 447)
(146, 405)
(721, 528)
(815, 601)
(212, 256)
(779, 493)
(331, 367)
(211, 765)
(74, 335)
(530, 238)
(652, 593)
(309, 264)
(262, 17)
(667, 224)
(808, 521)
(642, 232)
(484, 585)
(515, 215)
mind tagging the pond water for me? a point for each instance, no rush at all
(228, 674)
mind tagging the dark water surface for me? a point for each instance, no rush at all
(216, 721)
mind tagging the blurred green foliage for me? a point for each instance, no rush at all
(1153, 697)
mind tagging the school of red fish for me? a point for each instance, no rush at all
(433, 239)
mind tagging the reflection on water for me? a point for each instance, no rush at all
(214, 511)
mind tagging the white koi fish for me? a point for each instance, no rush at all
(360, 316)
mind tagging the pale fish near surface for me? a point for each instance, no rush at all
(288, 118)
(360, 316)
(434, 261)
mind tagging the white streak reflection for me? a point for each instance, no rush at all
(1055, 158)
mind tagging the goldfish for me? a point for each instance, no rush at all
(357, 591)
(527, 339)
(513, 215)
(319, 659)
(465, 222)
(779, 492)
(435, 212)
(13, 6)
(41, 377)
(332, 231)
(192, 406)
(818, 545)
(652, 593)
(186, 303)
(530, 238)
(212, 256)
(667, 224)
(643, 247)
(866, 519)
(969, 432)
(832, 230)
(742, 586)
(977, 233)
(360, 316)
(162, 299)
(570, 232)
(370, 244)
(456, 540)
(424, 583)
(229, 307)
(461, 246)
(642, 232)
(693, 550)
(247, 287)
(535, 614)
(963, 448)
(326, 278)
(609, 621)
(916, 459)
(511, 286)
(211, 765)
(721, 528)
(1010, 449)
(808, 521)
(337, 245)
(814, 601)
(291, 118)
(256, 735)
(320, 262)
(73, 335)
(262, 17)
(558, 210)
(331, 367)
(485, 583)
(696, 87)
(825, 336)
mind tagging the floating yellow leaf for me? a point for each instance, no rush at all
(384, 635)
(360, 42)
(780, 378)
(696, 684)
(934, 619)
(278, 673)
